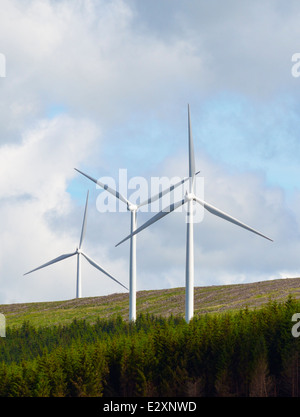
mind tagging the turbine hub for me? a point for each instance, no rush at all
(132, 207)
(189, 196)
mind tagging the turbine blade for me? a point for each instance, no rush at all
(154, 219)
(227, 217)
(84, 221)
(59, 258)
(191, 148)
(162, 193)
(93, 263)
(106, 187)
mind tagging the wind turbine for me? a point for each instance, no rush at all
(133, 208)
(79, 252)
(189, 199)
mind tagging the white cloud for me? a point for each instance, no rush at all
(42, 163)
(88, 56)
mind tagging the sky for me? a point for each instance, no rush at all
(103, 86)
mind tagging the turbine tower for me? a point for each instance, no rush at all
(133, 208)
(79, 252)
(189, 199)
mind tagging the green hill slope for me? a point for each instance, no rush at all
(212, 299)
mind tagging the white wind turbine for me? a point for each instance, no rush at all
(79, 252)
(133, 208)
(189, 198)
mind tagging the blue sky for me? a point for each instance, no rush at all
(104, 85)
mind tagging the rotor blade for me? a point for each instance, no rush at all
(106, 187)
(154, 219)
(191, 148)
(162, 193)
(59, 258)
(227, 217)
(84, 221)
(93, 263)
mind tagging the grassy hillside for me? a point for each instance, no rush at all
(211, 299)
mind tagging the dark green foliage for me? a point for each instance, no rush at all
(249, 353)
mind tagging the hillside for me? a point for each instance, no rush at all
(211, 299)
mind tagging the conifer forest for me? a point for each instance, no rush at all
(249, 353)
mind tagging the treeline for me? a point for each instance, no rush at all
(249, 353)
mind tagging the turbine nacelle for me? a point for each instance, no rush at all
(132, 207)
(189, 196)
